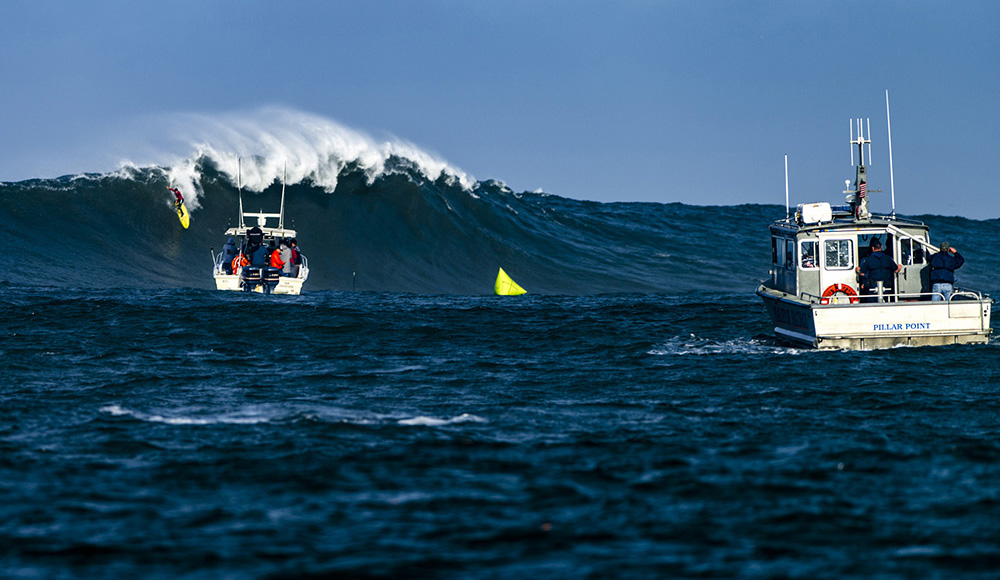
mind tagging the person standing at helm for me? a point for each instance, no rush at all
(943, 266)
(877, 267)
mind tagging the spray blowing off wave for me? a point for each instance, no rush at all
(309, 148)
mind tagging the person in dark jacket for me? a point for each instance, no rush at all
(943, 266)
(296, 256)
(229, 252)
(258, 255)
(877, 267)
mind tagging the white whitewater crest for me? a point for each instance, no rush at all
(268, 140)
(280, 414)
(245, 418)
(434, 422)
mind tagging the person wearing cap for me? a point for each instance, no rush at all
(877, 267)
(943, 266)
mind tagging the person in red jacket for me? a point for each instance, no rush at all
(177, 194)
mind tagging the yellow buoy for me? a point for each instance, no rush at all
(505, 286)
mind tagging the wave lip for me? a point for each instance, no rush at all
(306, 148)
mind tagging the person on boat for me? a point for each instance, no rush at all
(296, 256)
(275, 256)
(877, 267)
(258, 255)
(285, 251)
(943, 266)
(177, 194)
(229, 252)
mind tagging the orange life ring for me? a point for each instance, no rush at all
(842, 288)
(239, 262)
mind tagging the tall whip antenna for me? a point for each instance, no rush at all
(888, 125)
(787, 215)
(281, 213)
(239, 188)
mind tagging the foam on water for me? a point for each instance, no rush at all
(694, 345)
(243, 418)
(436, 422)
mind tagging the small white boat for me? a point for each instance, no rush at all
(238, 274)
(813, 296)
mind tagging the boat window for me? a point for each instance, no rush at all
(910, 252)
(865, 241)
(774, 250)
(839, 254)
(809, 249)
(789, 254)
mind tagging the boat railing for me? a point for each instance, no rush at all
(303, 268)
(957, 295)
(219, 269)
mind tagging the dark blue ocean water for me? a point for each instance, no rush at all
(630, 417)
(187, 433)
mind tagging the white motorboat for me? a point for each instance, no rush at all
(813, 295)
(238, 274)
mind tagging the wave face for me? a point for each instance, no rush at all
(390, 218)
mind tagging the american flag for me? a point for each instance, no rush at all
(862, 190)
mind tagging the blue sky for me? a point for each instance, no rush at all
(694, 101)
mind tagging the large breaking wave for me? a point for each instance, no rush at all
(384, 216)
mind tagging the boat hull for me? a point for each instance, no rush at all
(286, 285)
(856, 326)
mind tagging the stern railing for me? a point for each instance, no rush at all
(960, 294)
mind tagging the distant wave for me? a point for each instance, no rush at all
(387, 216)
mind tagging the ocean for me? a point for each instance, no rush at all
(631, 416)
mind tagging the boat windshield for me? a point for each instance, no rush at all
(910, 252)
(865, 242)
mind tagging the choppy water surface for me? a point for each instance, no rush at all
(190, 433)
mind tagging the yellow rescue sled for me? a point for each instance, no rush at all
(505, 286)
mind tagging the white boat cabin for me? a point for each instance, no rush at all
(815, 253)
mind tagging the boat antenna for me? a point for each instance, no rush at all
(239, 188)
(861, 141)
(888, 126)
(787, 215)
(281, 212)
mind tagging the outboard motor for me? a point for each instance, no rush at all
(270, 277)
(250, 278)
